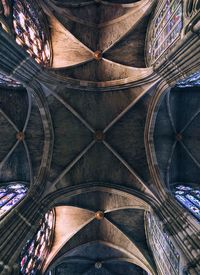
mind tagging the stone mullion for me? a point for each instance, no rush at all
(15, 230)
(183, 230)
(181, 61)
(16, 62)
(178, 52)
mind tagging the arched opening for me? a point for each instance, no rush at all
(112, 234)
(165, 254)
(176, 141)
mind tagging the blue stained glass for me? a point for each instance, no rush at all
(2, 194)
(6, 198)
(10, 196)
(192, 80)
(165, 254)
(197, 193)
(190, 198)
(16, 186)
(193, 199)
(195, 210)
(180, 192)
(182, 187)
(37, 249)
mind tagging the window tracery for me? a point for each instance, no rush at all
(30, 32)
(164, 251)
(189, 198)
(37, 249)
(10, 196)
(166, 28)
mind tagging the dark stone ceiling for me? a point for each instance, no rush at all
(106, 41)
(177, 136)
(82, 261)
(88, 137)
(99, 163)
(20, 159)
(110, 240)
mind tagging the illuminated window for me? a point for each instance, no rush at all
(30, 31)
(165, 254)
(10, 196)
(36, 250)
(189, 198)
(191, 81)
(166, 27)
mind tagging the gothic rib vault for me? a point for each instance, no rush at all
(85, 132)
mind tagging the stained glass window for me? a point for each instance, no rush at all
(165, 29)
(191, 81)
(10, 196)
(36, 250)
(30, 31)
(166, 257)
(189, 198)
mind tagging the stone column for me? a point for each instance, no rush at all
(181, 61)
(184, 229)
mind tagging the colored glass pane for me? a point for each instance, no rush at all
(165, 254)
(2, 194)
(190, 206)
(196, 193)
(11, 195)
(6, 198)
(190, 198)
(182, 187)
(37, 249)
(13, 201)
(193, 199)
(29, 31)
(192, 80)
(166, 28)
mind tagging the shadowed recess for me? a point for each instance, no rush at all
(176, 136)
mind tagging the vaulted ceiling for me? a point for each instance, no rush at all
(84, 123)
(22, 136)
(88, 136)
(176, 137)
(105, 41)
(86, 237)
